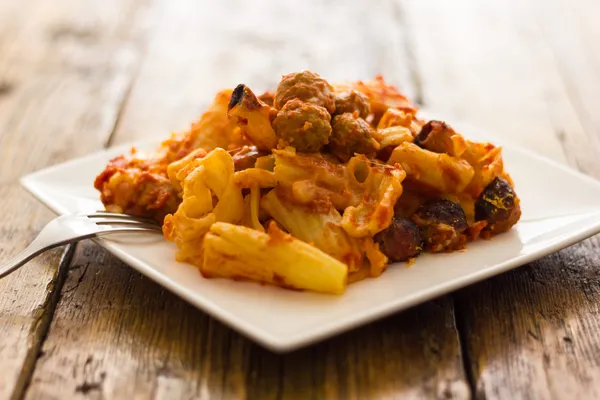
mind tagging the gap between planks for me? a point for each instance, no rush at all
(40, 328)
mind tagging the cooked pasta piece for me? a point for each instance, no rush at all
(251, 177)
(253, 117)
(277, 258)
(381, 186)
(487, 163)
(393, 136)
(266, 163)
(395, 127)
(213, 177)
(377, 259)
(395, 117)
(183, 167)
(438, 171)
(244, 177)
(438, 137)
(251, 217)
(321, 229)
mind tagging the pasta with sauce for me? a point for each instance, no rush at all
(314, 186)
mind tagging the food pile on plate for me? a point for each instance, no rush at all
(314, 186)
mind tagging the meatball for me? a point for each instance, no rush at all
(306, 86)
(302, 125)
(401, 240)
(352, 135)
(442, 211)
(498, 204)
(442, 224)
(351, 102)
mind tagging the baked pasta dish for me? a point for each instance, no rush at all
(314, 186)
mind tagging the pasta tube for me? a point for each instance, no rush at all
(486, 160)
(323, 230)
(187, 226)
(253, 117)
(238, 252)
(381, 186)
(393, 136)
(438, 171)
(394, 117)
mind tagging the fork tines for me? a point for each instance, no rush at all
(108, 218)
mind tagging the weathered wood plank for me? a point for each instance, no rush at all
(533, 332)
(473, 66)
(573, 55)
(530, 333)
(63, 73)
(118, 335)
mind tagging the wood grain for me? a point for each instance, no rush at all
(117, 335)
(530, 333)
(63, 73)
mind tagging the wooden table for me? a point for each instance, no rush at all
(80, 75)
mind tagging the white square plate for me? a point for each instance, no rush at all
(560, 207)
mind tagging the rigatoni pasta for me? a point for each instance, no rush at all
(438, 171)
(236, 252)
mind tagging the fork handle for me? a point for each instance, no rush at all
(22, 258)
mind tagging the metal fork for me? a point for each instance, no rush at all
(72, 228)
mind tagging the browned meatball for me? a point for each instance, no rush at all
(302, 125)
(401, 240)
(351, 102)
(306, 86)
(442, 224)
(442, 211)
(352, 135)
(498, 204)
